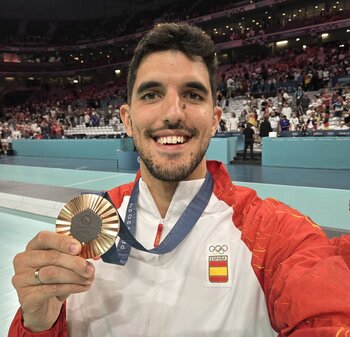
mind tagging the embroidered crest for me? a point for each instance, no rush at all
(218, 264)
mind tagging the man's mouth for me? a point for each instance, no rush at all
(171, 140)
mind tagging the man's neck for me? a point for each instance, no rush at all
(163, 191)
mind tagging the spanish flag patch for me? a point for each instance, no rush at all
(218, 269)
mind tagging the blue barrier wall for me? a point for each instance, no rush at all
(307, 152)
(72, 148)
(326, 206)
(223, 149)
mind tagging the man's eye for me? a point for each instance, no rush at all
(193, 96)
(149, 96)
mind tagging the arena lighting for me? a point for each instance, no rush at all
(348, 30)
(304, 46)
(297, 39)
(75, 81)
(31, 78)
(117, 71)
(341, 46)
(282, 43)
(9, 78)
(324, 35)
(283, 14)
(316, 6)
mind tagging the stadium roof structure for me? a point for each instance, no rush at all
(66, 10)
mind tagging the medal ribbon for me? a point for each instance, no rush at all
(119, 254)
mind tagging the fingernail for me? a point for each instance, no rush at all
(90, 268)
(74, 247)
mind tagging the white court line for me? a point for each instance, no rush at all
(80, 167)
(99, 179)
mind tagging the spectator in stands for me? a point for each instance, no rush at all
(249, 136)
(87, 118)
(294, 122)
(299, 94)
(265, 127)
(95, 118)
(337, 105)
(305, 102)
(233, 122)
(229, 87)
(274, 120)
(286, 110)
(284, 123)
(222, 127)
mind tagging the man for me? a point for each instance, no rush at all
(247, 268)
(265, 127)
(284, 123)
(286, 110)
(299, 94)
(248, 134)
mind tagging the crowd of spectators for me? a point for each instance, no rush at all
(49, 114)
(276, 88)
(313, 68)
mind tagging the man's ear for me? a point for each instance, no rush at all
(216, 119)
(125, 116)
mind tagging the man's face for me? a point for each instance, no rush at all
(171, 116)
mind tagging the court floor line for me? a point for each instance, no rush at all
(99, 179)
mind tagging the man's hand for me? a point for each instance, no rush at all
(60, 273)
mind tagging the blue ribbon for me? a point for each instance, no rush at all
(120, 254)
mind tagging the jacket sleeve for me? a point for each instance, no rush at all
(305, 279)
(343, 244)
(59, 329)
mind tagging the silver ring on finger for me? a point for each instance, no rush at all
(37, 278)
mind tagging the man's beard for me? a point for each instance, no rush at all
(170, 172)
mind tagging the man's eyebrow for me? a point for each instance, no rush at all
(197, 85)
(147, 85)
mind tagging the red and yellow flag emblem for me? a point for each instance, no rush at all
(218, 269)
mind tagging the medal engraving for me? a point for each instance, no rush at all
(92, 220)
(86, 226)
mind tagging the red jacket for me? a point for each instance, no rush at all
(304, 275)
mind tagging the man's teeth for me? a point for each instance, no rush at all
(171, 140)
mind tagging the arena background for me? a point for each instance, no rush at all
(63, 68)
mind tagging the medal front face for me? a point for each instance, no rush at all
(92, 220)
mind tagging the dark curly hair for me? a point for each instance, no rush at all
(190, 40)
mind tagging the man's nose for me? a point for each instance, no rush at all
(173, 107)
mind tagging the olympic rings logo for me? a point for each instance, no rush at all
(218, 249)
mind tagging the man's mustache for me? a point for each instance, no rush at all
(171, 126)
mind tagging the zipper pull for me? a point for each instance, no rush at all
(158, 235)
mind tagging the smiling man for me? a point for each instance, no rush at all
(201, 256)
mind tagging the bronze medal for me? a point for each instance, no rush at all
(92, 220)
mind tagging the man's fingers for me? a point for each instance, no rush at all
(47, 291)
(35, 259)
(50, 240)
(55, 274)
